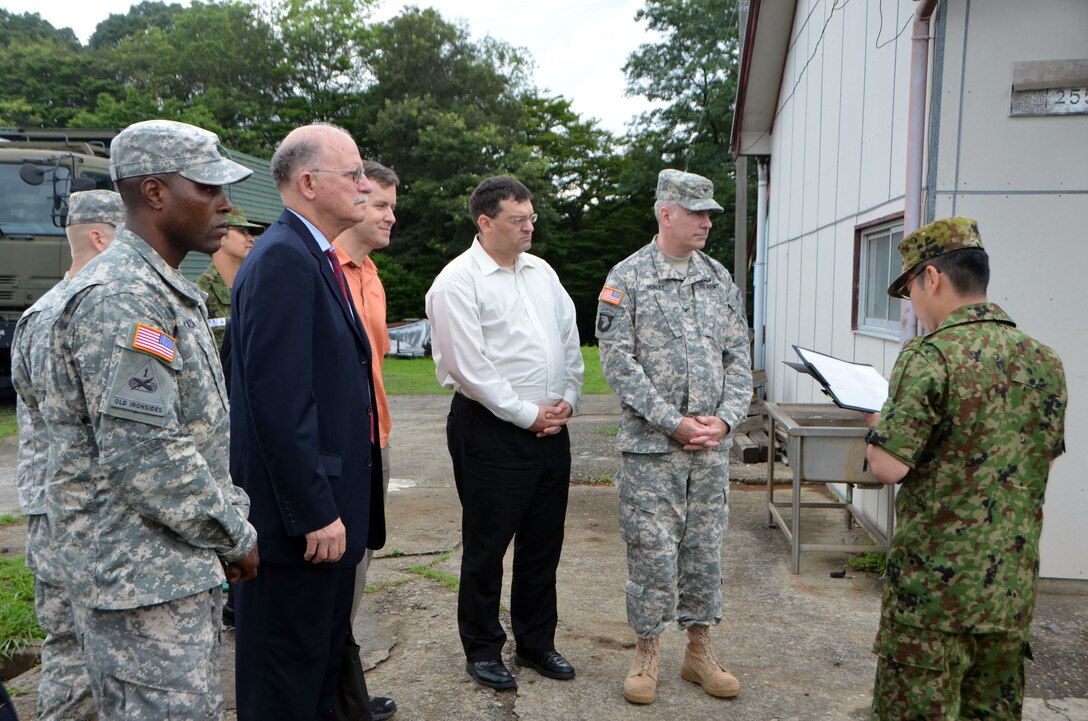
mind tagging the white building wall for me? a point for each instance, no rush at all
(838, 161)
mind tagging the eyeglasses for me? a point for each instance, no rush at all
(519, 220)
(910, 281)
(356, 173)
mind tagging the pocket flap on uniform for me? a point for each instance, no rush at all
(918, 648)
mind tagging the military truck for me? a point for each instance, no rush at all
(39, 169)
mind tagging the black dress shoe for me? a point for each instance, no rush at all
(550, 664)
(382, 708)
(493, 674)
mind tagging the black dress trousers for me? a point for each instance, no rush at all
(512, 486)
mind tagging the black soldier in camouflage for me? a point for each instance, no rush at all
(140, 500)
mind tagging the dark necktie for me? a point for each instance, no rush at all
(339, 273)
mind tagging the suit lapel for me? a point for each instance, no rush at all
(333, 285)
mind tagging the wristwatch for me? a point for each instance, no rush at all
(870, 435)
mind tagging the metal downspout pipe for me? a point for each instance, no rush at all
(759, 270)
(916, 133)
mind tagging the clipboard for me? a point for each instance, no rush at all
(855, 386)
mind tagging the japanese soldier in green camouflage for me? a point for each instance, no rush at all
(140, 500)
(218, 279)
(973, 422)
(674, 347)
(64, 691)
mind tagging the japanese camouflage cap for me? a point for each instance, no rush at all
(236, 218)
(689, 190)
(932, 241)
(166, 146)
(96, 206)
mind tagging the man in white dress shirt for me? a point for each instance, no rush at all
(504, 338)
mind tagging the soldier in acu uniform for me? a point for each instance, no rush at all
(140, 500)
(974, 420)
(64, 691)
(674, 347)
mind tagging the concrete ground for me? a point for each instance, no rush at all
(800, 644)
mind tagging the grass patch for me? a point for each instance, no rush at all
(595, 384)
(604, 479)
(415, 376)
(392, 583)
(9, 426)
(394, 552)
(411, 377)
(451, 582)
(872, 562)
(18, 624)
(428, 570)
(609, 431)
(11, 519)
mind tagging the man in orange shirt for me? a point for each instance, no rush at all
(353, 247)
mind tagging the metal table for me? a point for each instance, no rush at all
(825, 444)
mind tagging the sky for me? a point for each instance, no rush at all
(579, 46)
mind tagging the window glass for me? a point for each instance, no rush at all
(880, 265)
(26, 209)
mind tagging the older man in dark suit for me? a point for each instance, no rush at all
(303, 433)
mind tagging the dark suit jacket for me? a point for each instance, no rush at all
(301, 391)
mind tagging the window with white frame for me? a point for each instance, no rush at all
(880, 264)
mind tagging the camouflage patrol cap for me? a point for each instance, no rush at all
(932, 241)
(96, 206)
(166, 146)
(236, 218)
(689, 190)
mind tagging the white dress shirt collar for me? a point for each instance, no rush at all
(322, 242)
(487, 264)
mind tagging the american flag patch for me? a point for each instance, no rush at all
(153, 341)
(611, 295)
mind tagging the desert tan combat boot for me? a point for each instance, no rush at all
(640, 686)
(702, 667)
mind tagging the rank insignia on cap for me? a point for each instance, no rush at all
(154, 341)
(611, 295)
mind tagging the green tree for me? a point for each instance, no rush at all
(46, 76)
(139, 19)
(693, 69)
(218, 65)
(31, 28)
(324, 44)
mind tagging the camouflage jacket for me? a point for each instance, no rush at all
(672, 346)
(217, 302)
(140, 499)
(29, 353)
(977, 411)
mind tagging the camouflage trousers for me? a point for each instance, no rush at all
(65, 688)
(673, 517)
(925, 675)
(156, 662)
